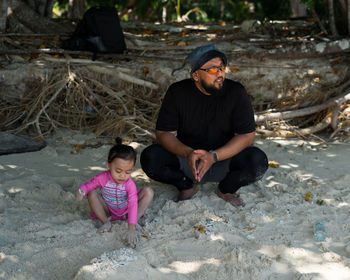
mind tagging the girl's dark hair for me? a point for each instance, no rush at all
(120, 150)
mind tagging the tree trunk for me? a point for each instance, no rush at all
(349, 17)
(42, 7)
(76, 9)
(315, 15)
(332, 18)
(32, 17)
(298, 9)
(222, 9)
(3, 16)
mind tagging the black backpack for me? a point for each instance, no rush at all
(99, 31)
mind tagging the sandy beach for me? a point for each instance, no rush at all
(46, 234)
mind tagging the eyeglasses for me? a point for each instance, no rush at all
(214, 69)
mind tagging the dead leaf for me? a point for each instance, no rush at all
(182, 44)
(233, 69)
(274, 164)
(77, 148)
(145, 70)
(249, 228)
(200, 228)
(307, 196)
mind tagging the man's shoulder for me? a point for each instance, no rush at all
(236, 89)
(233, 84)
(181, 84)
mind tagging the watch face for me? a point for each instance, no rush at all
(81, 191)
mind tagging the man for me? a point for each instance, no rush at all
(205, 132)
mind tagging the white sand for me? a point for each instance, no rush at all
(46, 234)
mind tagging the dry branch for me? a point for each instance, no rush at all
(123, 76)
(36, 121)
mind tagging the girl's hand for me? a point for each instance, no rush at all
(132, 237)
(79, 195)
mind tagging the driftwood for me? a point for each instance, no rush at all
(93, 101)
(305, 111)
(123, 76)
(296, 132)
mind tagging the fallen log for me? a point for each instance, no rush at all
(296, 132)
(305, 111)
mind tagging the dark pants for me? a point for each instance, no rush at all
(243, 169)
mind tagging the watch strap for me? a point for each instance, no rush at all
(214, 155)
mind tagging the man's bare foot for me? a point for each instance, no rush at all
(107, 226)
(232, 198)
(188, 194)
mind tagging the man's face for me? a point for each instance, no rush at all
(210, 83)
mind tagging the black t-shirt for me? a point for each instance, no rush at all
(206, 121)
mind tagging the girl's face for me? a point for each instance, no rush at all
(120, 169)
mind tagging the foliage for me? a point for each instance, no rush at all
(197, 11)
(234, 11)
(321, 8)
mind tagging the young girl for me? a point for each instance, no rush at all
(118, 192)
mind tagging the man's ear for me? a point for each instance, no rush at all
(195, 76)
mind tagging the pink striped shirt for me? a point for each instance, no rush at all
(120, 198)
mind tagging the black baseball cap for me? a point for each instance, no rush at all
(202, 54)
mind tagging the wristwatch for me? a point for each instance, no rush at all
(82, 192)
(214, 155)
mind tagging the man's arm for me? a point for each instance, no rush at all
(237, 143)
(170, 142)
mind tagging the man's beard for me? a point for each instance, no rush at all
(212, 90)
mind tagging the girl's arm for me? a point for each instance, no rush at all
(96, 182)
(132, 212)
(132, 202)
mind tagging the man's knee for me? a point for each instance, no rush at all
(260, 163)
(148, 159)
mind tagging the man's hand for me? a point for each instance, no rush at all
(200, 161)
(192, 160)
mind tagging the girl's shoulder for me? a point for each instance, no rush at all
(105, 175)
